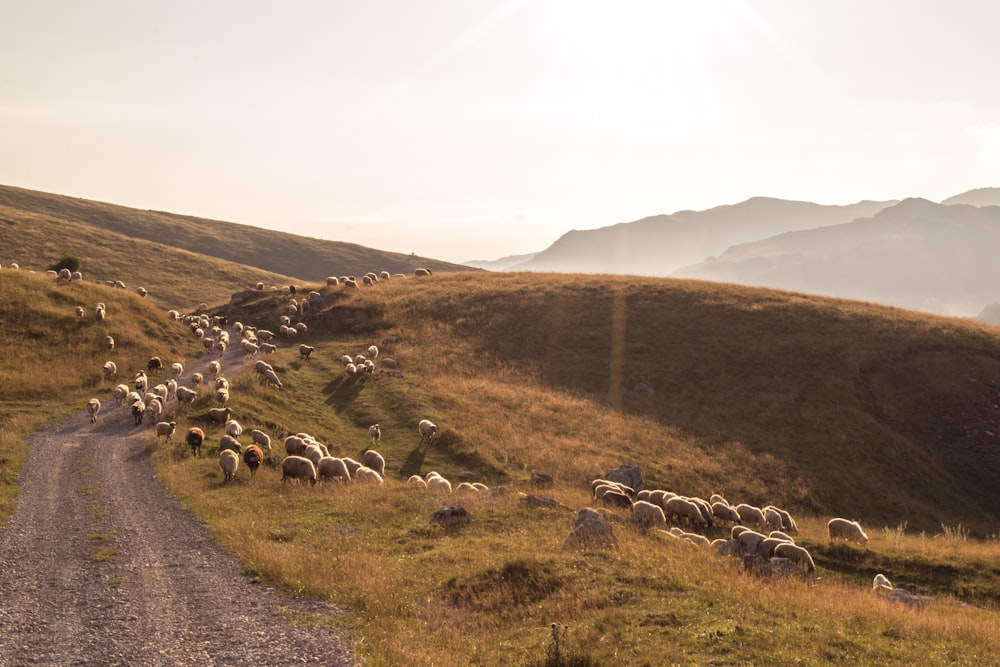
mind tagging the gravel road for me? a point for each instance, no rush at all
(99, 565)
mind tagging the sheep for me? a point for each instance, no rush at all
(253, 456)
(796, 554)
(427, 429)
(372, 352)
(162, 392)
(881, 583)
(374, 460)
(165, 429)
(772, 518)
(271, 378)
(417, 480)
(177, 369)
(724, 512)
(268, 348)
(214, 368)
(194, 438)
(365, 475)
(421, 272)
(186, 396)
(305, 351)
(751, 514)
(121, 391)
(233, 428)
(110, 370)
(197, 379)
(346, 359)
(109, 343)
(140, 381)
(646, 515)
(436, 482)
(93, 407)
(352, 465)
(330, 467)
(847, 530)
(295, 445)
(154, 364)
(779, 534)
(229, 461)
(229, 442)
(153, 408)
(79, 311)
(142, 291)
(220, 415)
(332, 281)
(787, 522)
(682, 508)
(376, 434)
(717, 498)
(99, 313)
(222, 396)
(261, 439)
(172, 388)
(313, 453)
(298, 467)
(138, 412)
(614, 498)
(749, 541)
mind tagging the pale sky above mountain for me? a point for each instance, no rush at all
(466, 129)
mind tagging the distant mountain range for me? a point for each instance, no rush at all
(913, 254)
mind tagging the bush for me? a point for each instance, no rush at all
(66, 262)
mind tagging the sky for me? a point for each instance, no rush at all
(473, 129)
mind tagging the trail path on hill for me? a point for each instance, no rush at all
(166, 596)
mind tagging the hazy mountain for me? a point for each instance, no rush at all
(916, 254)
(658, 245)
(502, 264)
(977, 197)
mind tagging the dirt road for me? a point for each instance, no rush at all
(100, 566)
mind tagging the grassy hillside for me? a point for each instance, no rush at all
(821, 406)
(273, 253)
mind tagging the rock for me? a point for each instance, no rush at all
(630, 476)
(450, 518)
(591, 531)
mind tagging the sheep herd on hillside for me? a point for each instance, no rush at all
(763, 537)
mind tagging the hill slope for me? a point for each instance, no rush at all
(273, 252)
(917, 255)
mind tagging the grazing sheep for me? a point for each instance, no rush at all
(436, 482)
(427, 429)
(220, 415)
(752, 515)
(222, 396)
(881, 583)
(154, 364)
(177, 369)
(110, 370)
(79, 311)
(376, 433)
(261, 439)
(298, 467)
(421, 272)
(314, 453)
(305, 351)
(165, 429)
(724, 512)
(614, 498)
(772, 518)
(787, 522)
(109, 343)
(194, 438)
(374, 460)
(253, 456)
(365, 475)
(417, 480)
(330, 467)
(847, 530)
(295, 445)
(186, 396)
(233, 428)
(121, 391)
(99, 313)
(682, 509)
(749, 541)
(646, 515)
(796, 554)
(271, 379)
(372, 351)
(93, 407)
(229, 461)
(229, 442)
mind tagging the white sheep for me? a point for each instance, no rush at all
(646, 515)
(372, 459)
(177, 369)
(787, 522)
(846, 529)
(186, 395)
(372, 352)
(305, 351)
(220, 415)
(724, 512)
(798, 555)
(121, 391)
(417, 480)
(109, 342)
(233, 428)
(271, 379)
(262, 439)
(427, 429)
(752, 515)
(365, 475)
(376, 434)
(222, 396)
(93, 407)
(297, 467)
(682, 508)
(229, 461)
(881, 583)
(295, 445)
(214, 368)
(165, 429)
(313, 453)
(110, 370)
(330, 467)
(436, 482)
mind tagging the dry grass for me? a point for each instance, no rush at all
(763, 396)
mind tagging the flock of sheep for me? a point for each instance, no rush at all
(761, 536)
